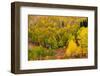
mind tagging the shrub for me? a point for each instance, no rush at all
(82, 36)
(73, 51)
(36, 53)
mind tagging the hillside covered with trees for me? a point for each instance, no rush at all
(57, 37)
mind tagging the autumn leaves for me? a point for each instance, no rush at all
(55, 37)
(79, 49)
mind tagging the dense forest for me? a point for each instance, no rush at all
(57, 37)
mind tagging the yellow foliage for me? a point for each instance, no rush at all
(73, 50)
(54, 32)
(83, 37)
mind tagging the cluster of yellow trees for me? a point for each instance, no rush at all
(80, 49)
(54, 32)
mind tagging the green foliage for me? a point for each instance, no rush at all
(50, 52)
(52, 31)
(38, 53)
(49, 33)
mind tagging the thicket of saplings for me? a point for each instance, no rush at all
(49, 33)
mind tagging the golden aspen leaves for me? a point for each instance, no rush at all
(57, 37)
